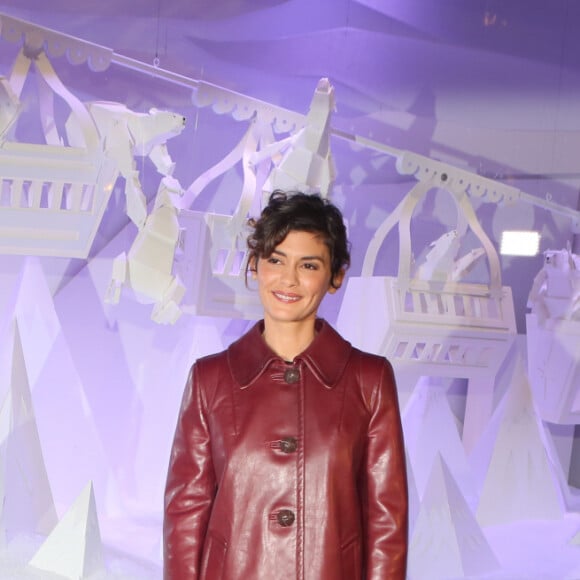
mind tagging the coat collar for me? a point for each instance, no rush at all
(327, 356)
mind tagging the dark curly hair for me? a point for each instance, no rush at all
(297, 211)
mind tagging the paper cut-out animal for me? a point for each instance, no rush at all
(147, 268)
(462, 266)
(555, 292)
(125, 134)
(304, 161)
(439, 261)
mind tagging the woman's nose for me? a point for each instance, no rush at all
(289, 276)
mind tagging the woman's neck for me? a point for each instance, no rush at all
(288, 340)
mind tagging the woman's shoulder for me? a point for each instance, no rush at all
(210, 361)
(372, 368)
(370, 359)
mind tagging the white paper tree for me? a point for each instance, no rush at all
(74, 548)
(447, 541)
(520, 483)
(27, 502)
(430, 431)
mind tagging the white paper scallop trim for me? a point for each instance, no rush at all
(56, 44)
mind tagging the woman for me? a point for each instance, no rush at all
(288, 458)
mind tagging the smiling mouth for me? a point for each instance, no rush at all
(288, 298)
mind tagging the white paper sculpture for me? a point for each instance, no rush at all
(520, 482)
(32, 307)
(553, 336)
(10, 105)
(447, 541)
(440, 259)
(56, 387)
(303, 161)
(449, 328)
(74, 549)
(555, 292)
(125, 134)
(26, 497)
(441, 262)
(427, 319)
(430, 431)
(52, 196)
(214, 250)
(147, 269)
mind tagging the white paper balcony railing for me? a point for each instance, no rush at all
(53, 194)
(220, 99)
(52, 197)
(212, 268)
(429, 319)
(212, 247)
(243, 107)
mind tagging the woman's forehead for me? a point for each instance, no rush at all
(298, 242)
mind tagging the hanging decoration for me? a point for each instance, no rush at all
(52, 196)
(303, 161)
(214, 246)
(64, 184)
(434, 320)
(125, 134)
(553, 337)
(146, 270)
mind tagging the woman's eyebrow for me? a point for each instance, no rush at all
(284, 255)
(319, 258)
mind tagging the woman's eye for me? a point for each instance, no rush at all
(310, 266)
(272, 260)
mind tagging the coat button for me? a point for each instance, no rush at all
(285, 518)
(291, 376)
(288, 444)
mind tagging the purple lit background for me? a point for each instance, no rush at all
(488, 86)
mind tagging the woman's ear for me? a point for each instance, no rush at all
(337, 281)
(253, 266)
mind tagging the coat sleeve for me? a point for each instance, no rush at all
(386, 498)
(190, 487)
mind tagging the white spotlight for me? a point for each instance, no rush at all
(520, 243)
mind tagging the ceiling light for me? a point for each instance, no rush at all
(520, 243)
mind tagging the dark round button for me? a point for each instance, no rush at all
(291, 376)
(285, 518)
(288, 444)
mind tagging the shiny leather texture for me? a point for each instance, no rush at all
(278, 475)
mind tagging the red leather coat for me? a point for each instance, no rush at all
(287, 471)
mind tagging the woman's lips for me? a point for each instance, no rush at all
(286, 297)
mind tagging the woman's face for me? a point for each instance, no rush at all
(293, 281)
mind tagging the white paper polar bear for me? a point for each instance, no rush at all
(304, 161)
(147, 268)
(555, 292)
(125, 134)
